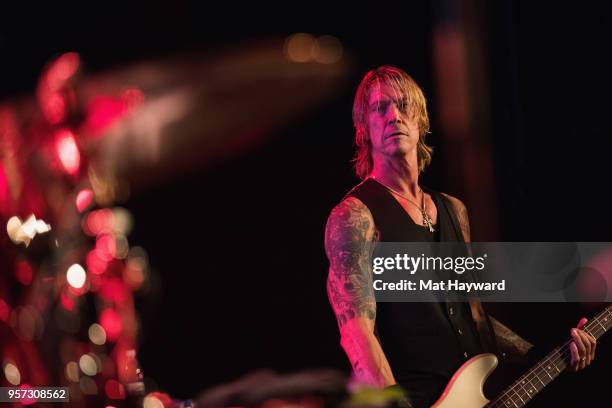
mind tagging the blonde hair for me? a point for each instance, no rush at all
(404, 85)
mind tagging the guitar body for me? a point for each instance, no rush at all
(465, 388)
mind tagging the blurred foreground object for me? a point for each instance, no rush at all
(71, 154)
(316, 388)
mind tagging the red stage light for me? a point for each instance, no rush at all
(5, 310)
(114, 389)
(67, 301)
(26, 401)
(105, 246)
(114, 290)
(84, 199)
(111, 321)
(95, 263)
(24, 272)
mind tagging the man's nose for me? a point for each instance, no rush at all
(393, 114)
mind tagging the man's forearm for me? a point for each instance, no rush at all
(363, 349)
(511, 345)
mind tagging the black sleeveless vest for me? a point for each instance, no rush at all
(425, 343)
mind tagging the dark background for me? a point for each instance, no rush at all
(245, 287)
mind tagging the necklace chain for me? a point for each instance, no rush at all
(427, 221)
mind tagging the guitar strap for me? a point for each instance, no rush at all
(479, 315)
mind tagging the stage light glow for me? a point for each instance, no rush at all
(151, 401)
(12, 374)
(134, 273)
(88, 365)
(54, 108)
(330, 50)
(114, 389)
(301, 47)
(62, 69)
(72, 371)
(84, 199)
(99, 222)
(26, 401)
(5, 310)
(68, 151)
(24, 273)
(111, 322)
(76, 276)
(24, 232)
(67, 301)
(88, 386)
(122, 221)
(122, 246)
(95, 263)
(97, 335)
(114, 290)
(105, 247)
(132, 98)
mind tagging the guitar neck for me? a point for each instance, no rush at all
(550, 367)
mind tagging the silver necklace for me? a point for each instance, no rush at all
(427, 221)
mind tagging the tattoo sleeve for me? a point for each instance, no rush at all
(350, 237)
(513, 346)
(462, 216)
(349, 242)
(464, 222)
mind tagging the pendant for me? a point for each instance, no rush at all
(427, 222)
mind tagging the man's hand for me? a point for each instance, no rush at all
(582, 348)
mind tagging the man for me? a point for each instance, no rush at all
(415, 345)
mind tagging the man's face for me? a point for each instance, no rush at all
(393, 131)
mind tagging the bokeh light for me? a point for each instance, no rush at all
(12, 374)
(114, 389)
(134, 272)
(88, 365)
(97, 335)
(152, 401)
(5, 310)
(111, 322)
(84, 199)
(88, 386)
(301, 47)
(330, 50)
(72, 371)
(24, 273)
(68, 151)
(76, 276)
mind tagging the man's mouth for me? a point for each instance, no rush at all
(396, 134)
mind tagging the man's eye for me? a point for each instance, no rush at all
(380, 107)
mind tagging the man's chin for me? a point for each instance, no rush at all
(399, 147)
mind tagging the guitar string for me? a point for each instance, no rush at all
(559, 356)
(562, 350)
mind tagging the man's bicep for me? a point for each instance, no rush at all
(462, 216)
(349, 241)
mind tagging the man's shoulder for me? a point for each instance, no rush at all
(349, 207)
(349, 221)
(454, 201)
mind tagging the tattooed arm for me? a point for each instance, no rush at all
(349, 242)
(512, 346)
(462, 216)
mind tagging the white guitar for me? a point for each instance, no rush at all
(465, 388)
